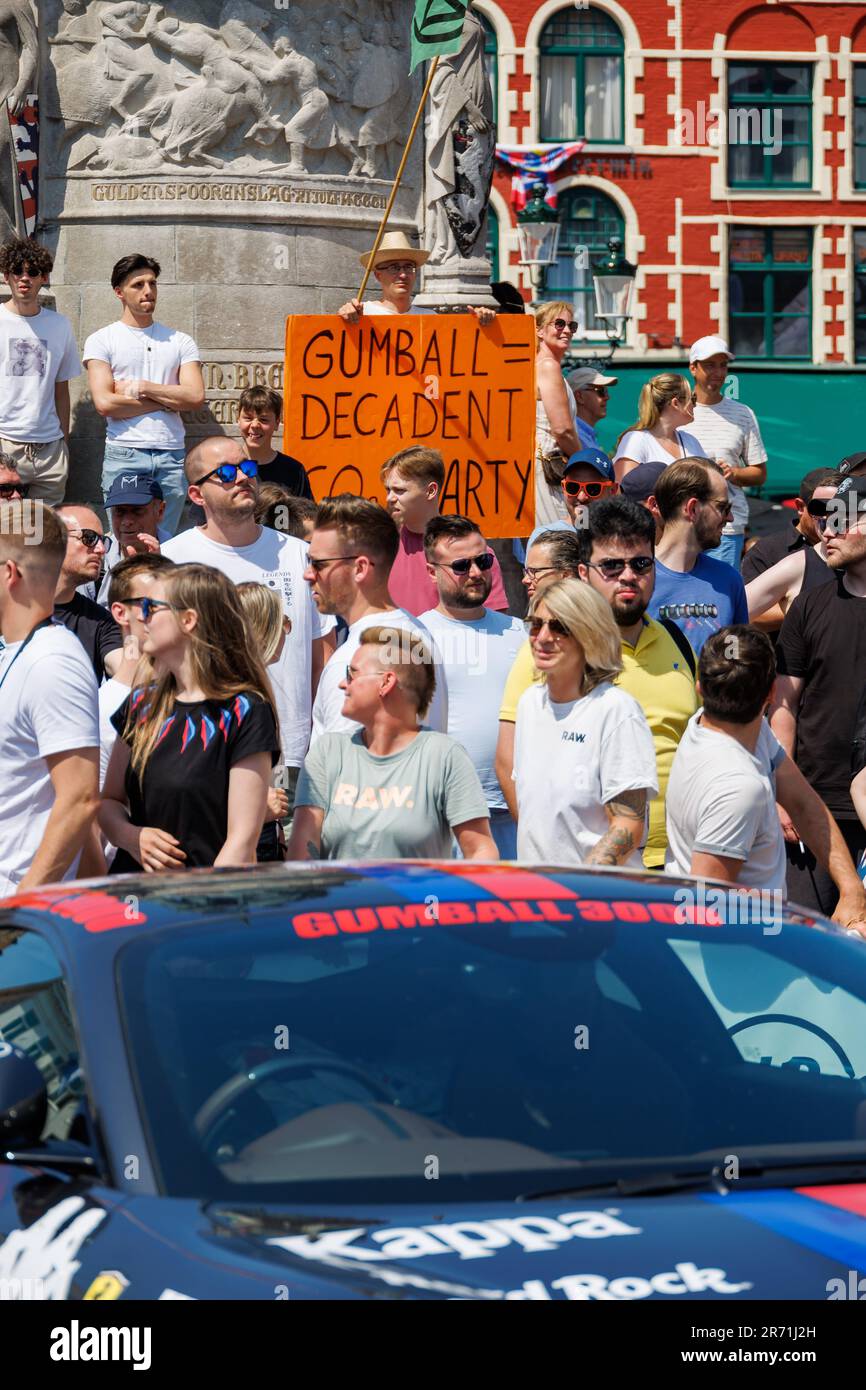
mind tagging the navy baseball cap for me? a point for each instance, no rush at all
(592, 458)
(133, 490)
(640, 483)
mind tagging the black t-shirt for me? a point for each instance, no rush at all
(94, 627)
(289, 473)
(185, 788)
(769, 550)
(823, 641)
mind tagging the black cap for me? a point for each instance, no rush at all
(853, 461)
(640, 483)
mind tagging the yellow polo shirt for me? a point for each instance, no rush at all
(658, 677)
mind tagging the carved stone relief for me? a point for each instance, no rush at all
(243, 87)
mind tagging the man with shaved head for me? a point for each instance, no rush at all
(224, 483)
(49, 732)
(92, 624)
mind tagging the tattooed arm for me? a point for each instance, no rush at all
(626, 814)
(305, 841)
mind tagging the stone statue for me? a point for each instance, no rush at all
(19, 52)
(461, 141)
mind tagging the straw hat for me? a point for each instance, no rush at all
(395, 246)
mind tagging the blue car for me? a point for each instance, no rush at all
(428, 1080)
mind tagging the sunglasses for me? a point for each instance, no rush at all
(318, 565)
(89, 539)
(591, 490)
(149, 606)
(351, 675)
(10, 490)
(612, 569)
(484, 562)
(561, 325)
(601, 391)
(816, 508)
(553, 625)
(228, 472)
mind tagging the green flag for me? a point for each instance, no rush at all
(437, 27)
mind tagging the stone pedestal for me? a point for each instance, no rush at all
(248, 147)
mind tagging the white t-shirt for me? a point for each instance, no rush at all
(112, 694)
(328, 717)
(35, 353)
(155, 354)
(477, 657)
(643, 447)
(49, 704)
(569, 761)
(721, 799)
(729, 433)
(278, 561)
(375, 306)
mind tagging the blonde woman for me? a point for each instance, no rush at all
(556, 436)
(584, 760)
(187, 782)
(666, 406)
(392, 790)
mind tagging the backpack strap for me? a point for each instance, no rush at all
(682, 642)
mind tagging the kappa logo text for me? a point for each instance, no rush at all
(471, 1240)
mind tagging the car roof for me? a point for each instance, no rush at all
(105, 913)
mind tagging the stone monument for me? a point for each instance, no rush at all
(248, 146)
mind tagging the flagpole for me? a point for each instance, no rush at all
(398, 176)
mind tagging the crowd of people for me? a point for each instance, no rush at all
(233, 674)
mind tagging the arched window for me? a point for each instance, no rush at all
(491, 250)
(490, 58)
(581, 89)
(588, 219)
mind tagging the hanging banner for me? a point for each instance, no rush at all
(529, 163)
(356, 394)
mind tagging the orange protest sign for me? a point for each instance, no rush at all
(358, 393)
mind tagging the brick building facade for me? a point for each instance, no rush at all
(727, 145)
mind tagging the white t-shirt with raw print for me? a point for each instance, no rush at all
(155, 354)
(278, 561)
(49, 703)
(721, 800)
(570, 759)
(35, 353)
(328, 717)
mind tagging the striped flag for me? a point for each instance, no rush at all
(529, 163)
(25, 141)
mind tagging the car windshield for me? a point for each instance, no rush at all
(319, 1056)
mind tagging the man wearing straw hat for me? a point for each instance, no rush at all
(395, 266)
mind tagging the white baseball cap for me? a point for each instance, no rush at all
(708, 347)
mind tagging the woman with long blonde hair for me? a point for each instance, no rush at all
(556, 437)
(666, 405)
(188, 778)
(584, 758)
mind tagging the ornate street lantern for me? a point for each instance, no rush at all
(538, 233)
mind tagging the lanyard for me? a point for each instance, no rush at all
(46, 622)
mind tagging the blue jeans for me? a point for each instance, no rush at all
(729, 549)
(166, 465)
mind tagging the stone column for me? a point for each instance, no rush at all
(248, 147)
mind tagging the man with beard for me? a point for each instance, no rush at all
(476, 647)
(224, 483)
(699, 593)
(92, 624)
(616, 549)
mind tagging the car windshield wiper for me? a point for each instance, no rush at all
(659, 1182)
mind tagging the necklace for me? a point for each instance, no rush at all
(148, 347)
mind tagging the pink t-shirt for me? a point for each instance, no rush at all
(412, 588)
